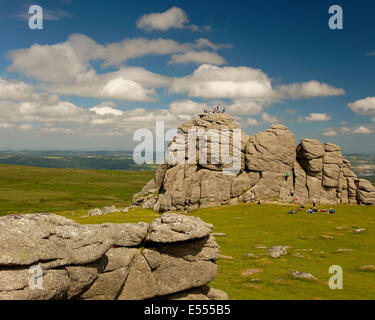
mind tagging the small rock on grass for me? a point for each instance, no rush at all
(218, 234)
(95, 212)
(260, 247)
(250, 255)
(357, 231)
(323, 236)
(250, 272)
(302, 275)
(111, 209)
(278, 251)
(343, 250)
(370, 268)
(341, 228)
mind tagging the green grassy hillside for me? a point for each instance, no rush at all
(248, 229)
(253, 229)
(30, 189)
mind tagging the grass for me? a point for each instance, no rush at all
(251, 226)
(247, 226)
(31, 189)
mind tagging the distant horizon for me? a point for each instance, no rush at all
(129, 151)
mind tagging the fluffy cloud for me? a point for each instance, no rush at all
(267, 118)
(330, 133)
(362, 130)
(251, 122)
(212, 82)
(318, 117)
(106, 108)
(65, 68)
(308, 89)
(51, 115)
(250, 89)
(198, 57)
(187, 107)
(174, 18)
(20, 91)
(123, 89)
(365, 107)
(245, 107)
(205, 43)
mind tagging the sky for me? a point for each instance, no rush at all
(100, 70)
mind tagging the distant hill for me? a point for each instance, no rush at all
(110, 160)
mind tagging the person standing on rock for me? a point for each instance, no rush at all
(314, 203)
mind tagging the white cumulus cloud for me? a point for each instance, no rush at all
(363, 130)
(187, 107)
(198, 57)
(267, 118)
(173, 18)
(365, 107)
(212, 82)
(330, 133)
(318, 117)
(308, 89)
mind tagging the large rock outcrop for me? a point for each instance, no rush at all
(272, 167)
(173, 257)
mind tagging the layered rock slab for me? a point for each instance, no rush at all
(173, 254)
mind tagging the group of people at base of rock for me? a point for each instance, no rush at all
(218, 109)
(301, 208)
(313, 210)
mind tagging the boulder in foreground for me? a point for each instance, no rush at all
(174, 257)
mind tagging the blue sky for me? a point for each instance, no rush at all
(99, 70)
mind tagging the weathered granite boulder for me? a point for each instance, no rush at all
(174, 254)
(271, 151)
(272, 168)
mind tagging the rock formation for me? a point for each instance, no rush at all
(273, 168)
(171, 258)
